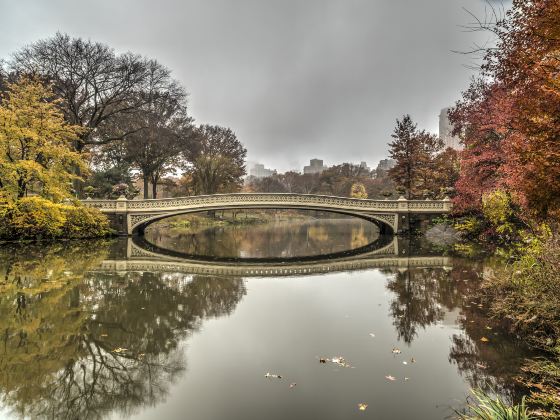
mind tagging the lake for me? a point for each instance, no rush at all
(304, 319)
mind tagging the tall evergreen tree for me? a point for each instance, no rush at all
(415, 153)
(405, 150)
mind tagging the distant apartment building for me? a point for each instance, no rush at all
(315, 167)
(383, 167)
(446, 129)
(363, 165)
(259, 171)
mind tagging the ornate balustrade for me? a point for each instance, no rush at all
(229, 200)
(140, 212)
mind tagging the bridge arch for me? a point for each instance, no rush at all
(139, 225)
(130, 216)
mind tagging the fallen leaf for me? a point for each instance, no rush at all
(390, 377)
(488, 328)
(482, 365)
(103, 335)
(362, 406)
(484, 340)
(119, 350)
(272, 375)
(340, 361)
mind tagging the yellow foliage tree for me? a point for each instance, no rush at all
(358, 191)
(35, 144)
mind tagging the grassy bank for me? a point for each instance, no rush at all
(526, 294)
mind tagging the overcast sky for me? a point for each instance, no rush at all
(295, 79)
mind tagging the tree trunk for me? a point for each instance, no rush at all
(154, 189)
(22, 188)
(145, 186)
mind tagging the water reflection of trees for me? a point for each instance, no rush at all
(78, 344)
(269, 240)
(427, 296)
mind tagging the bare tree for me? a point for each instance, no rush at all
(161, 128)
(217, 164)
(97, 85)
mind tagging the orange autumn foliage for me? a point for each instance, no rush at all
(510, 118)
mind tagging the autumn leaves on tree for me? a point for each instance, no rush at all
(35, 144)
(421, 170)
(509, 118)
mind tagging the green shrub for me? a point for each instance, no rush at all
(470, 226)
(488, 408)
(32, 217)
(84, 222)
(39, 218)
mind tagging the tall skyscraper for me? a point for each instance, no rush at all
(445, 130)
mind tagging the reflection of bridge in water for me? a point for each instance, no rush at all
(394, 254)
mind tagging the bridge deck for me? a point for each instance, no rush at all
(133, 214)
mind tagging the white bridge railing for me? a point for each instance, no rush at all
(270, 200)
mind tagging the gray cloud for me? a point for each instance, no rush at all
(295, 79)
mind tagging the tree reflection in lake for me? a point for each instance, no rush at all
(80, 345)
(425, 297)
(80, 340)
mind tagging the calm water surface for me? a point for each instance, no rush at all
(108, 330)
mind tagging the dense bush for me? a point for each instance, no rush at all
(527, 295)
(39, 218)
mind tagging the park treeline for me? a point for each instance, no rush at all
(78, 119)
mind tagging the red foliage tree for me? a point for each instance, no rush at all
(510, 118)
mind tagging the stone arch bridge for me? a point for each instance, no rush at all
(130, 217)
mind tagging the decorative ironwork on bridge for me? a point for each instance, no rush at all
(130, 216)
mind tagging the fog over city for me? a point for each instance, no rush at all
(294, 79)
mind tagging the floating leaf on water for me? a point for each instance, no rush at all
(484, 340)
(340, 361)
(395, 351)
(390, 377)
(292, 385)
(362, 406)
(272, 375)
